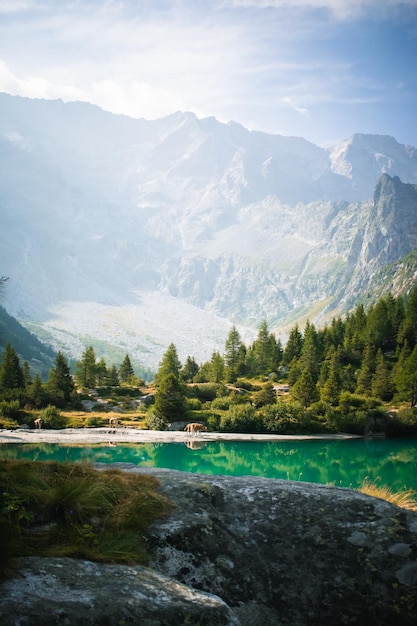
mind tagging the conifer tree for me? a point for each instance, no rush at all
(112, 376)
(263, 350)
(293, 346)
(190, 369)
(234, 355)
(37, 393)
(11, 372)
(170, 397)
(27, 376)
(366, 372)
(60, 382)
(126, 371)
(305, 389)
(216, 371)
(309, 358)
(170, 364)
(332, 386)
(406, 379)
(382, 383)
(408, 328)
(86, 369)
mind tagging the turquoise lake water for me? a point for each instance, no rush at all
(347, 463)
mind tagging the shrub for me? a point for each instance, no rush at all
(10, 409)
(403, 423)
(155, 420)
(52, 418)
(206, 392)
(282, 418)
(194, 404)
(241, 419)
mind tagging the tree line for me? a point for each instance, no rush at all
(338, 376)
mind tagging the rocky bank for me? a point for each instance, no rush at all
(240, 550)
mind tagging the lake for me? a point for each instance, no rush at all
(346, 463)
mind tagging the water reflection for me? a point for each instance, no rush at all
(341, 463)
(195, 445)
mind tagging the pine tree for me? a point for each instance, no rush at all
(126, 371)
(305, 390)
(293, 346)
(406, 379)
(331, 388)
(382, 383)
(112, 376)
(263, 350)
(366, 372)
(37, 393)
(86, 369)
(101, 372)
(216, 371)
(408, 328)
(190, 369)
(60, 382)
(170, 364)
(309, 358)
(234, 355)
(11, 372)
(170, 398)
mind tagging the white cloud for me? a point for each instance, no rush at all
(340, 9)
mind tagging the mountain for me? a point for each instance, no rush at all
(39, 356)
(131, 234)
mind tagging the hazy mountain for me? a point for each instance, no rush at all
(136, 233)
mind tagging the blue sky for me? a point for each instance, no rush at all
(320, 69)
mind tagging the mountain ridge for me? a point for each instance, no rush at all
(158, 226)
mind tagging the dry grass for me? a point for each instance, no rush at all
(407, 498)
(70, 509)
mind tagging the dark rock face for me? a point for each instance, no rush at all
(78, 593)
(239, 550)
(281, 552)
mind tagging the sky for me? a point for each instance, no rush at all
(318, 69)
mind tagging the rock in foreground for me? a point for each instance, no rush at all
(78, 593)
(239, 550)
(288, 553)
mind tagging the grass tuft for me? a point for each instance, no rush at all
(70, 509)
(406, 498)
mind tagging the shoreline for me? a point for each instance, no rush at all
(132, 435)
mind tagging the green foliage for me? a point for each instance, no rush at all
(155, 420)
(10, 410)
(126, 372)
(11, 372)
(60, 509)
(52, 418)
(240, 419)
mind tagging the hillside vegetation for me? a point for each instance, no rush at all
(357, 375)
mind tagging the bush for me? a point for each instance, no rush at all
(282, 418)
(10, 410)
(194, 404)
(52, 418)
(206, 392)
(241, 419)
(155, 420)
(402, 424)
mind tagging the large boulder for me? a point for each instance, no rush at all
(71, 592)
(281, 552)
(239, 550)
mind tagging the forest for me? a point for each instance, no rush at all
(357, 374)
